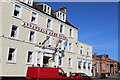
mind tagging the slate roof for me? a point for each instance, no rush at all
(38, 6)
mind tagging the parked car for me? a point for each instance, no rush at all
(44, 73)
(79, 76)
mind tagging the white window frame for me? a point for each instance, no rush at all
(70, 62)
(71, 47)
(82, 50)
(71, 32)
(32, 57)
(62, 29)
(20, 12)
(47, 11)
(17, 34)
(34, 36)
(61, 62)
(61, 17)
(88, 51)
(50, 23)
(15, 55)
(78, 65)
(36, 19)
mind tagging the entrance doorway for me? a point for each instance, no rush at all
(47, 61)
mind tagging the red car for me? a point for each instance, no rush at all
(79, 76)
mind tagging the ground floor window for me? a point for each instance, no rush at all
(30, 57)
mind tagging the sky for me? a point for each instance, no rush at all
(98, 23)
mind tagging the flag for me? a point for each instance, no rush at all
(45, 40)
(56, 49)
(65, 45)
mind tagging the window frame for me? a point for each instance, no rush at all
(36, 19)
(32, 57)
(70, 66)
(50, 24)
(20, 12)
(17, 34)
(34, 36)
(71, 35)
(62, 29)
(15, 55)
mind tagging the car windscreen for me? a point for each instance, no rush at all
(83, 75)
(73, 74)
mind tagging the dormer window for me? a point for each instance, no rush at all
(29, 2)
(47, 9)
(60, 15)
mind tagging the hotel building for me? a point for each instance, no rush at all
(29, 34)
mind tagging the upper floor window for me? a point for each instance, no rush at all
(70, 47)
(34, 17)
(71, 33)
(87, 51)
(14, 31)
(32, 36)
(46, 9)
(81, 50)
(12, 55)
(17, 11)
(60, 15)
(29, 2)
(30, 57)
(61, 29)
(49, 24)
(69, 62)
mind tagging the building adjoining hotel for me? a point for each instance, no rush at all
(31, 32)
(103, 64)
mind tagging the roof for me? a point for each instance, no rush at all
(38, 6)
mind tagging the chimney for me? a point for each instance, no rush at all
(63, 10)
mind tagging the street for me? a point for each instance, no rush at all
(107, 79)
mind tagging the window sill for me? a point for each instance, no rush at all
(71, 37)
(11, 62)
(29, 63)
(71, 52)
(33, 23)
(69, 67)
(17, 17)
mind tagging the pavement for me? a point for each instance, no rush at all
(112, 77)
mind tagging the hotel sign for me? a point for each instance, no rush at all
(25, 24)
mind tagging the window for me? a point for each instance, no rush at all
(34, 18)
(73, 74)
(46, 9)
(60, 61)
(79, 64)
(60, 15)
(71, 33)
(89, 66)
(70, 47)
(11, 55)
(17, 12)
(69, 62)
(61, 29)
(49, 24)
(84, 65)
(81, 50)
(87, 51)
(30, 57)
(14, 31)
(32, 36)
